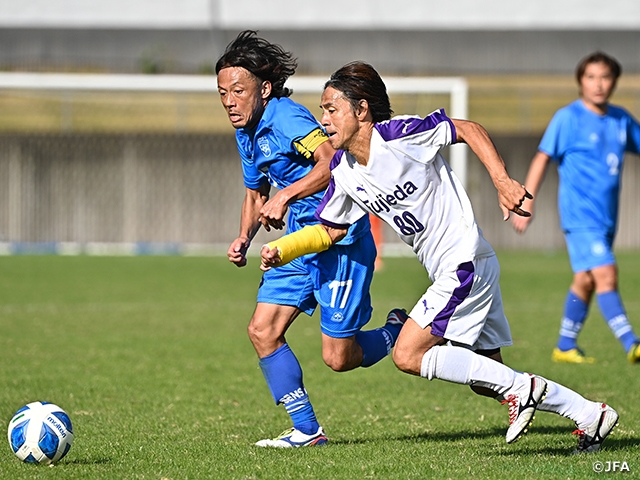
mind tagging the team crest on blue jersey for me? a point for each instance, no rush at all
(622, 136)
(263, 143)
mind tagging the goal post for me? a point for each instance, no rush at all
(455, 87)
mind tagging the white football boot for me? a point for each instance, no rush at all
(522, 406)
(591, 437)
(293, 438)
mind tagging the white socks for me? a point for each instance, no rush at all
(569, 404)
(462, 366)
(459, 365)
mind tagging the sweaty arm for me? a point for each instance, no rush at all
(535, 176)
(315, 146)
(249, 224)
(310, 239)
(511, 194)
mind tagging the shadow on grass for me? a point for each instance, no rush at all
(621, 443)
(451, 436)
(521, 447)
(610, 445)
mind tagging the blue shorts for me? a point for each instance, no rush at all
(337, 279)
(589, 249)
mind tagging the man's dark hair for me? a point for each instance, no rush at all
(264, 60)
(360, 81)
(599, 57)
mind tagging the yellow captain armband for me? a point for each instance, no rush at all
(307, 145)
(310, 239)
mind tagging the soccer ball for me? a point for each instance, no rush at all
(40, 432)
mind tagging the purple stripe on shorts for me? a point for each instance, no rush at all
(465, 275)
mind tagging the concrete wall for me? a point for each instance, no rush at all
(393, 52)
(119, 188)
(330, 15)
(416, 36)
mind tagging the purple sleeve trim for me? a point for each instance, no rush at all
(330, 224)
(335, 161)
(454, 133)
(331, 188)
(404, 127)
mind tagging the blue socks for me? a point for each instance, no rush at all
(575, 313)
(283, 374)
(613, 311)
(375, 346)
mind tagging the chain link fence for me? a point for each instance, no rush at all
(149, 190)
(159, 173)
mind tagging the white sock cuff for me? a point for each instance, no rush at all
(447, 363)
(462, 366)
(428, 365)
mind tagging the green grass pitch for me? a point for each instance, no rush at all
(150, 358)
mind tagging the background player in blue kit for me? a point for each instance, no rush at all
(282, 145)
(588, 139)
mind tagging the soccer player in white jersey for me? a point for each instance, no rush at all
(393, 168)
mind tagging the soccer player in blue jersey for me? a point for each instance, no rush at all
(588, 139)
(282, 145)
(393, 168)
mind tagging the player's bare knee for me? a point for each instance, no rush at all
(262, 334)
(341, 354)
(253, 331)
(336, 361)
(336, 366)
(583, 284)
(396, 356)
(254, 335)
(404, 360)
(606, 283)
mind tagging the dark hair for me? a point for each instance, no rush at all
(599, 57)
(360, 81)
(264, 60)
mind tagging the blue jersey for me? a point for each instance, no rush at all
(589, 149)
(278, 150)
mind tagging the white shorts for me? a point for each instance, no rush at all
(465, 306)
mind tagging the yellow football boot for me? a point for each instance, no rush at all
(575, 356)
(634, 353)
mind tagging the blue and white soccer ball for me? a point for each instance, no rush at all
(40, 432)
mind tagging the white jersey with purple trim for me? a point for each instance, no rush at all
(409, 185)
